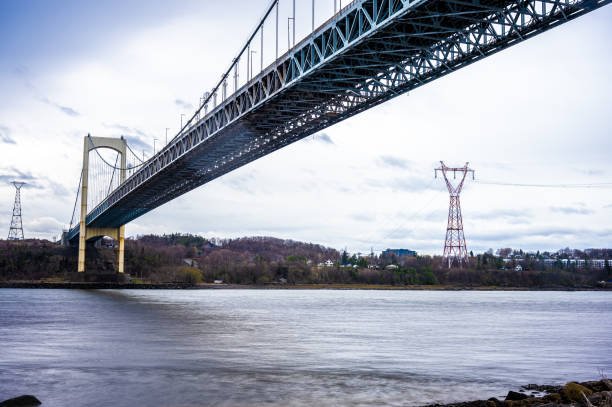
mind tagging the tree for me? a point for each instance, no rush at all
(344, 258)
(427, 277)
(505, 252)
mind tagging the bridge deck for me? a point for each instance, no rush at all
(369, 53)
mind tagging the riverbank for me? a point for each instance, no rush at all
(589, 394)
(205, 286)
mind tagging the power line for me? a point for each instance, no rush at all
(511, 184)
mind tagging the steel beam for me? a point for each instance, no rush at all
(371, 52)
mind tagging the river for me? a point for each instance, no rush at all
(188, 348)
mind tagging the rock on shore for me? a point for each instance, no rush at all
(588, 394)
(21, 401)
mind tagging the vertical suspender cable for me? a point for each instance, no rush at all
(313, 16)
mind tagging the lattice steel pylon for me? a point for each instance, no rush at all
(455, 249)
(16, 229)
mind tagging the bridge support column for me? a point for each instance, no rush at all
(86, 233)
(121, 250)
(83, 219)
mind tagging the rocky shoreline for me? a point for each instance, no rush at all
(587, 394)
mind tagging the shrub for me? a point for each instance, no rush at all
(190, 275)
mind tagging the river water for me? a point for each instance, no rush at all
(295, 347)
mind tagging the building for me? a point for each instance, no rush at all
(327, 263)
(399, 252)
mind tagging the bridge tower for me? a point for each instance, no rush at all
(16, 228)
(86, 233)
(455, 250)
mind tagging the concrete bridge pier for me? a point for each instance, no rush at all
(89, 233)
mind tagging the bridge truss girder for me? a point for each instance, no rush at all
(374, 51)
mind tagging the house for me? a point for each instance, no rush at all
(327, 263)
(190, 262)
(518, 268)
(391, 267)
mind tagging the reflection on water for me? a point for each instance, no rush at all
(294, 347)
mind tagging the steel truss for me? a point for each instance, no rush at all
(370, 52)
(16, 228)
(455, 248)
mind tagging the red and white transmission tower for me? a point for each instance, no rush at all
(455, 250)
(16, 228)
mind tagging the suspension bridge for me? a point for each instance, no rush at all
(366, 53)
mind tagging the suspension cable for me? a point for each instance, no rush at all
(135, 155)
(229, 70)
(77, 197)
(95, 148)
(110, 184)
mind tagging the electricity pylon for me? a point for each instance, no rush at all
(16, 229)
(455, 250)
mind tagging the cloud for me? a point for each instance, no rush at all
(537, 235)
(400, 233)
(183, 104)
(68, 110)
(393, 162)
(511, 215)
(137, 143)
(43, 224)
(64, 109)
(523, 233)
(363, 217)
(323, 138)
(21, 70)
(125, 129)
(5, 136)
(8, 175)
(406, 184)
(243, 182)
(13, 174)
(590, 172)
(571, 210)
(58, 189)
(137, 139)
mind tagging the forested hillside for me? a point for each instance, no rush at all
(268, 260)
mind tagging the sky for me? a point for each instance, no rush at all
(537, 113)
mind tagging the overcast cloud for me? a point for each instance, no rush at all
(537, 113)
